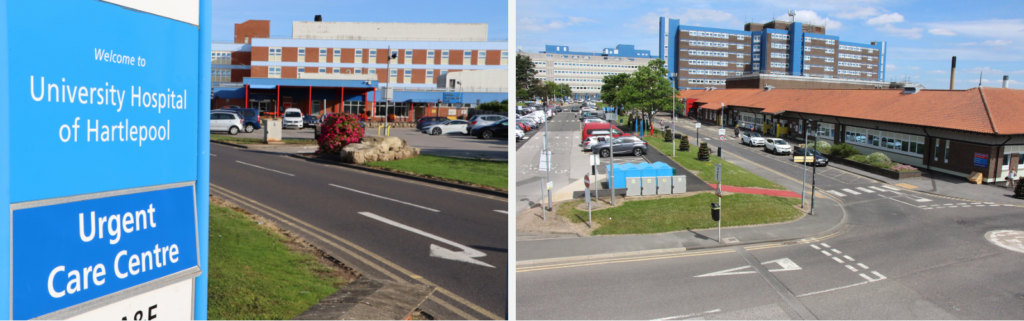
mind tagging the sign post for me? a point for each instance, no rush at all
(586, 181)
(718, 191)
(120, 231)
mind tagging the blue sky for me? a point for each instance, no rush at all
(922, 36)
(226, 13)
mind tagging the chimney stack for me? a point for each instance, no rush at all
(317, 18)
(1006, 81)
(952, 74)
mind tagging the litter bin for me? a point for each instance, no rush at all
(716, 211)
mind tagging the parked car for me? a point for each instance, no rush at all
(450, 126)
(497, 129)
(777, 146)
(427, 121)
(310, 121)
(819, 159)
(519, 134)
(225, 121)
(589, 120)
(523, 126)
(589, 143)
(292, 118)
(629, 145)
(529, 122)
(575, 109)
(484, 120)
(250, 118)
(589, 129)
(558, 109)
(752, 139)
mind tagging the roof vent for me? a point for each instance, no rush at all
(317, 18)
(768, 87)
(911, 89)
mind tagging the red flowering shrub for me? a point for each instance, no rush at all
(337, 131)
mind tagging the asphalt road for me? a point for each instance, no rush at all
(451, 144)
(384, 227)
(900, 255)
(564, 141)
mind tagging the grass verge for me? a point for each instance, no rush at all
(685, 213)
(473, 171)
(258, 274)
(732, 175)
(242, 140)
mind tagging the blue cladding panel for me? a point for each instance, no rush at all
(796, 49)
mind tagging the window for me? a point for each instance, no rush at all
(408, 54)
(830, 51)
(322, 70)
(780, 36)
(945, 157)
(408, 73)
(504, 54)
(740, 37)
(936, 153)
(394, 53)
(274, 72)
(336, 70)
(830, 42)
(359, 53)
(430, 76)
(394, 73)
(373, 53)
(359, 70)
(739, 46)
(468, 54)
(444, 54)
(373, 71)
(757, 39)
(780, 46)
(274, 54)
(430, 54)
(302, 54)
(780, 55)
(482, 55)
(323, 53)
(901, 143)
(301, 70)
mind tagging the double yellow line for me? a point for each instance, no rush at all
(358, 253)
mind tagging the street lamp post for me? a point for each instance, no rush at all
(387, 85)
(462, 104)
(673, 75)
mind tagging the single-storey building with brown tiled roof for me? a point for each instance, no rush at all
(950, 131)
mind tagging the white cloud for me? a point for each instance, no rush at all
(914, 68)
(964, 44)
(942, 32)
(891, 67)
(857, 13)
(912, 33)
(998, 42)
(885, 19)
(650, 20)
(992, 28)
(530, 24)
(937, 72)
(808, 16)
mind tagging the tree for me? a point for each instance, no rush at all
(647, 90)
(494, 106)
(610, 88)
(525, 76)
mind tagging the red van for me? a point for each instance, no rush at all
(589, 129)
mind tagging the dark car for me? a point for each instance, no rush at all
(250, 118)
(558, 109)
(497, 129)
(819, 159)
(310, 121)
(629, 145)
(575, 108)
(427, 121)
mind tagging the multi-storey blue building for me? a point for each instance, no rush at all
(705, 57)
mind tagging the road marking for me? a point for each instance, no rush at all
(851, 191)
(815, 247)
(877, 188)
(687, 316)
(619, 260)
(260, 167)
(826, 253)
(466, 255)
(923, 200)
(833, 289)
(387, 198)
(836, 193)
(825, 245)
(291, 221)
(848, 258)
(880, 276)
(502, 212)
(865, 190)
(851, 268)
(214, 155)
(785, 264)
(838, 260)
(861, 265)
(837, 251)
(890, 187)
(1007, 239)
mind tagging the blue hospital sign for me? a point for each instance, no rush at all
(102, 156)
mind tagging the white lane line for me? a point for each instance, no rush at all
(890, 187)
(851, 191)
(825, 245)
(837, 251)
(947, 204)
(832, 289)
(961, 203)
(877, 188)
(848, 258)
(815, 247)
(260, 167)
(502, 212)
(214, 155)
(685, 316)
(861, 265)
(838, 260)
(851, 268)
(387, 198)
(467, 254)
(923, 200)
(952, 206)
(880, 276)
(865, 190)
(826, 253)
(836, 193)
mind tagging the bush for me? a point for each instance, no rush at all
(879, 158)
(843, 150)
(667, 134)
(494, 106)
(823, 147)
(704, 153)
(337, 131)
(684, 143)
(903, 167)
(858, 158)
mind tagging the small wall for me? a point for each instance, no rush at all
(874, 170)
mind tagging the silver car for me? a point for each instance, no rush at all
(628, 145)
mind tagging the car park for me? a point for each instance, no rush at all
(310, 121)
(427, 121)
(484, 120)
(497, 129)
(819, 159)
(628, 145)
(777, 146)
(292, 118)
(575, 109)
(250, 118)
(752, 139)
(449, 126)
(593, 120)
(558, 109)
(589, 143)
(225, 121)
(529, 122)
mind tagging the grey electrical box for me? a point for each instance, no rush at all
(664, 185)
(632, 186)
(678, 184)
(650, 185)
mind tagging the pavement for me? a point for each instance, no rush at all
(565, 144)
(385, 227)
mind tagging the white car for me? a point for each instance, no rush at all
(594, 140)
(538, 116)
(593, 120)
(777, 146)
(292, 118)
(519, 134)
(225, 121)
(449, 126)
(752, 139)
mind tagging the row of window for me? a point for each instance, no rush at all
(849, 72)
(827, 50)
(855, 57)
(911, 144)
(780, 36)
(855, 48)
(827, 41)
(220, 57)
(827, 59)
(220, 75)
(700, 43)
(596, 73)
(708, 72)
(706, 81)
(708, 34)
(808, 67)
(1010, 150)
(584, 57)
(697, 62)
(818, 75)
(780, 45)
(780, 55)
(579, 80)
(572, 64)
(274, 54)
(709, 53)
(779, 64)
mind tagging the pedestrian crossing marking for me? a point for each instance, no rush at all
(836, 193)
(865, 190)
(877, 189)
(923, 200)
(890, 187)
(851, 191)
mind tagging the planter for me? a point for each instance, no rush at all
(874, 170)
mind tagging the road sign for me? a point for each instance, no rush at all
(722, 138)
(123, 220)
(586, 180)
(597, 159)
(545, 164)
(698, 125)
(721, 132)
(718, 172)
(586, 194)
(550, 185)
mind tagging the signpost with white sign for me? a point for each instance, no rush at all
(718, 191)
(104, 201)
(586, 192)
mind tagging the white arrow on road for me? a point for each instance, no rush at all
(467, 255)
(785, 264)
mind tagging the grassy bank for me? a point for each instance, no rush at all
(254, 274)
(732, 175)
(481, 172)
(683, 213)
(242, 140)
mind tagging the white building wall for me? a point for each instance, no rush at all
(478, 80)
(389, 31)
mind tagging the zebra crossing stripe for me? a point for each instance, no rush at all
(877, 189)
(890, 187)
(836, 193)
(865, 190)
(851, 191)
(923, 200)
